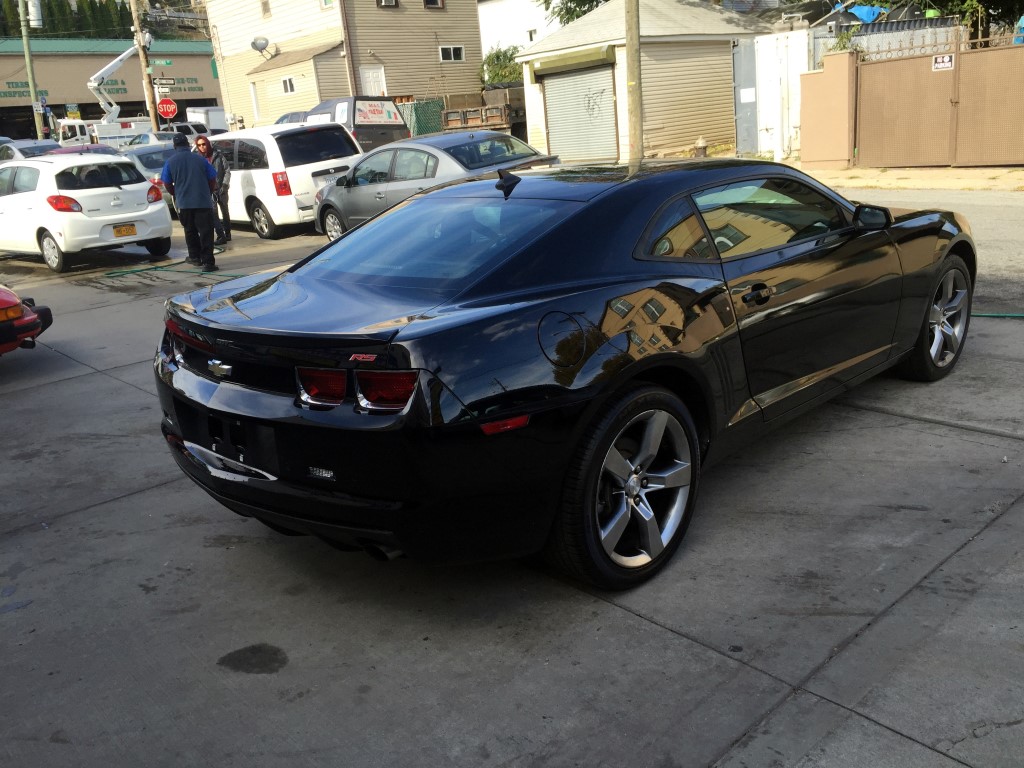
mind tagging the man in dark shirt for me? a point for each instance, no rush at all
(191, 180)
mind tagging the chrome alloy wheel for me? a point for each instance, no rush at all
(333, 226)
(947, 318)
(260, 221)
(643, 488)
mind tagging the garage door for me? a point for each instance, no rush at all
(580, 109)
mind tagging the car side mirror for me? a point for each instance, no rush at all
(871, 217)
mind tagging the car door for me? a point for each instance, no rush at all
(8, 210)
(28, 209)
(815, 298)
(413, 171)
(365, 195)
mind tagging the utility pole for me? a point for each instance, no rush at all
(143, 51)
(23, 13)
(634, 98)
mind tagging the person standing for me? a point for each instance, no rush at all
(222, 225)
(191, 179)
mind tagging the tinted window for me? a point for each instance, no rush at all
(677, 234)
(251, 155)
(39, 149)
(492, 150)
(154, 161)
(227, 148)
(26, 180)
(6, 153)
(414, 164)
(315, 145)
(750, 216)
(435, 241)
(374, 169)
(98, 176)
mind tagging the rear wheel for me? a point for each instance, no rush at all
(261, 221)
(630, 491)
(159, 247)
(333, 226)
(53, 255)
(944, 330)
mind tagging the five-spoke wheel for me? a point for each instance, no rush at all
(944, 331)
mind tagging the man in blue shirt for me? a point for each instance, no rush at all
(191, 180)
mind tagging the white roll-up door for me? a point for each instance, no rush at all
(580, 110)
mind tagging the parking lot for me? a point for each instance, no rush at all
(848, 593)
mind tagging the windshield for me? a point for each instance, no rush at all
(314, 145)
(436, 242)
(38, 149)
(492, 150)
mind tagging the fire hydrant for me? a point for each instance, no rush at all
(700, 147)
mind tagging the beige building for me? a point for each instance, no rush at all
(278, 56)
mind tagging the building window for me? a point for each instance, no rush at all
(326, 4)
(653, 309)
(288, 84)
(433, 3)
(453, 53)
(265, 7)
(387, 3)
(621, 307)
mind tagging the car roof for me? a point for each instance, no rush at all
(61, 161)
(33, 142)
(454, 138)
(276, 130)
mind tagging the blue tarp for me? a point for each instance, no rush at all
(866, 13)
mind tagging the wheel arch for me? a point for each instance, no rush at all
(965, 250)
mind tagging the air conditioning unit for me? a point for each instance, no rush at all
(393, 3)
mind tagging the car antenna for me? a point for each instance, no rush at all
(506, 182)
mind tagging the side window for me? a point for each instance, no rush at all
(252, 155)
(749, 216)
(26, 180)
(678, 234)
(374, 169)
(227, 148)
(6, 153)
(6, 176)
(414, 164)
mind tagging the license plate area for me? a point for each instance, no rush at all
(124, 230)
(242, 441)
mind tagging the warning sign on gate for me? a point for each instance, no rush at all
(942, 62)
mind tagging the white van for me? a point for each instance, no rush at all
(276, 171)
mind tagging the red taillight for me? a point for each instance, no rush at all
(386, 389)
(192, 340)
(64, 204)
(281, 184)
(154, 195)
(505, 425)
(322, 386)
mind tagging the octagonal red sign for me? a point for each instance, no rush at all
(166, 108)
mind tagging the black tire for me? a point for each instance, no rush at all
(620, 521)
(261, 221)
(944, 329)
(332, 224)
(53, 254)
(158, 248)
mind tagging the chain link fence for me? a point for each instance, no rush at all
(422, 116)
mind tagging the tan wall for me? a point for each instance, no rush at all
(827, 112)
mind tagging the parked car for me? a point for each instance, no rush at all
(103, 149)
(292, 117)
(58, 205)
(373, 121)
(5, 139)
(19, 149)
(403, 168)
(21, 321)
(150, 159)
(574, 345)
(277, 169)
(191, 129)
(160, 137)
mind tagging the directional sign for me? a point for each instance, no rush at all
(166, 108)
(161, 62)
(163, 89)
(163, 81)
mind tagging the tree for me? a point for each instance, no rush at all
(564, 11)
(500, 66)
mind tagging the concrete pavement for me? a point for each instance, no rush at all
(848, 594)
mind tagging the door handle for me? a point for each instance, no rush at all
(379, 196)
(759, 294)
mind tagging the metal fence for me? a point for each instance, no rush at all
(887, 39)
(423, 116)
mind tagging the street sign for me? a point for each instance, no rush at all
(161, 62)
(163, 81)
(163, 89)
(166, 108)
(37, 107)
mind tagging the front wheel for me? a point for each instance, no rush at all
(159, 247)
(333, 226)
(261, 221)
(944, 330)
(53, 255)
(630, 491)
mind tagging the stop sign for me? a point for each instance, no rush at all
(166, 108)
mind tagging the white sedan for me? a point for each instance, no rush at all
(58, 205)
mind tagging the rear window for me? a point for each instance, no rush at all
(96, 176)
(436, 242)
(38, 149)
(492, 150)
(154, 161)
(314, 145)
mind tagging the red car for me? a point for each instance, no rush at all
(20, 321)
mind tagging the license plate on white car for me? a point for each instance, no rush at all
(124, 230)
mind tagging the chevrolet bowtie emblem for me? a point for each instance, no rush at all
(218, 369)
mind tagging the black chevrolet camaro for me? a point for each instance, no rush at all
(548, 361)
